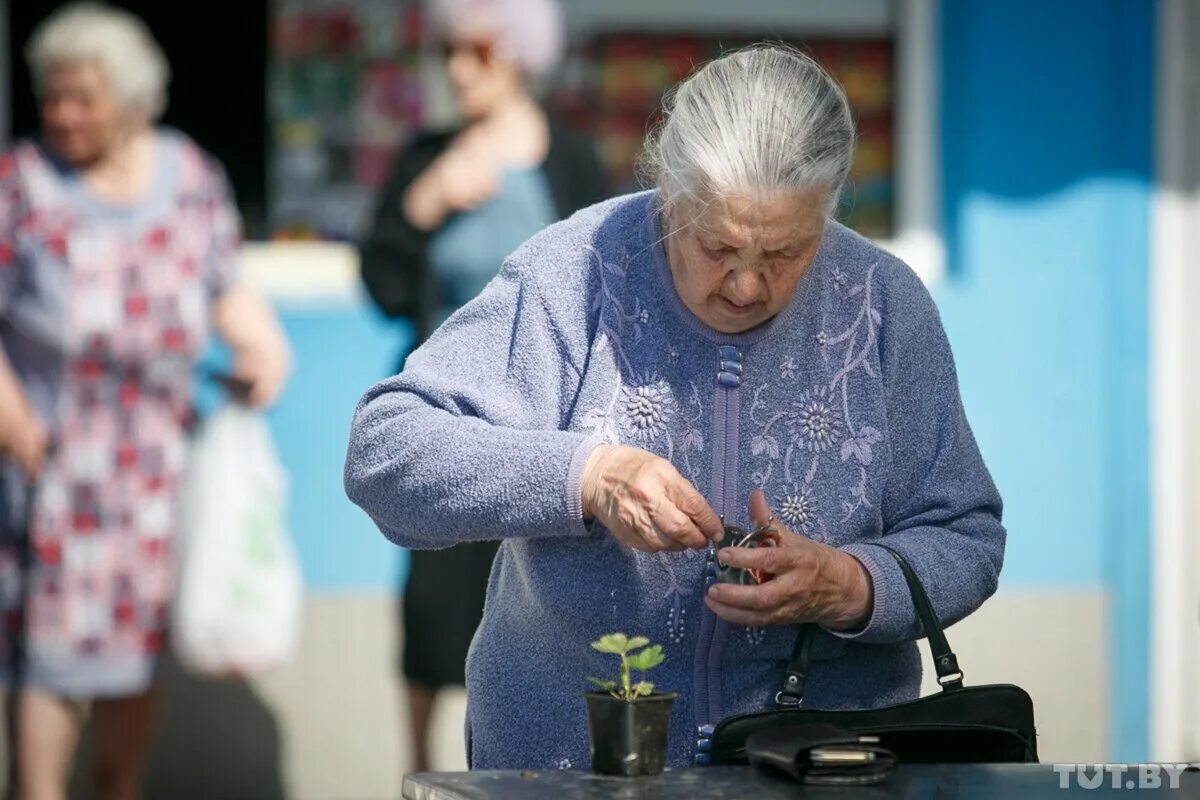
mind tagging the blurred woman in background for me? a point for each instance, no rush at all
(457, 204)
(118, 252)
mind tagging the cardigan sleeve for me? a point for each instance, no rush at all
(467, 443)
(941, 511)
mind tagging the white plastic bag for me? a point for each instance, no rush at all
(237, 607)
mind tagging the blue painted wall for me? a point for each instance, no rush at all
(339, 354)
(1047, 142)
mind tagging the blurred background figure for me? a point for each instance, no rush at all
(457, 204)
(118, 252)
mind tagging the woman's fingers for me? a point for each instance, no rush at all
(689, 501)
(760, 512)
(761, 597)
(673, 523)
(644, 501)
(736, 615)
(769, 559)
(32, 452)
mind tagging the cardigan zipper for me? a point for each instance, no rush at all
(706, 668)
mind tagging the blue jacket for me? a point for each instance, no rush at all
(844, 408)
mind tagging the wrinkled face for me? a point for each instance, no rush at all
(82, 116)
(736, 263)
(482, 77)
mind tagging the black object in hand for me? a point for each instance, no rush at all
(237, 388)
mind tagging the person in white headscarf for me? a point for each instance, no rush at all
(119, 245)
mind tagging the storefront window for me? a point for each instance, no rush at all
(344, 91)
(622, 78)
(351, 80)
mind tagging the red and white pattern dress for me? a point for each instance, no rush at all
(103, 313)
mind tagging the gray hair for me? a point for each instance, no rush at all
(759, 119)
(529, 32)
(117, 41)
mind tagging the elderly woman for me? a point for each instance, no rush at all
(717, 347)
(118, 253)
(458, 203)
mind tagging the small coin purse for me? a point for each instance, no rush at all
(766, 536)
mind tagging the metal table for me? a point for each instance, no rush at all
(924, 781)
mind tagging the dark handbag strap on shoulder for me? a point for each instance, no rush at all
(944, 661)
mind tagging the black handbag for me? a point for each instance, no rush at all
(959, 724)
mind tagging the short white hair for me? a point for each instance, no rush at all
(759, 119)
(528, 32)
(117, 41)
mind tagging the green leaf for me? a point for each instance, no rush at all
(642, 688)
(607, 686)
(650, 657)
(615, 643)
(636, 642)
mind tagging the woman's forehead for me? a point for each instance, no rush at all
(82, 72)
(774, 220)
(477, 27)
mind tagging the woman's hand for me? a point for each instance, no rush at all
(24, 439)
(806, 582)
(261, 356)
(644, 501)
(460, 179)
(265, 371)
(23, 436)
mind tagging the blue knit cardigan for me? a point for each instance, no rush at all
(844, 408)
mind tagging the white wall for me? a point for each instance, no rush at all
(1175, 453)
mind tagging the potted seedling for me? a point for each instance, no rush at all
(627, 719)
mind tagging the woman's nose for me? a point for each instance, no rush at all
(742, 286)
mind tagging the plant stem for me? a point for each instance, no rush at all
(625, 677)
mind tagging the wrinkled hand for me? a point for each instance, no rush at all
(806, 581)
(645, 503)
(265, 371)
(24, 439)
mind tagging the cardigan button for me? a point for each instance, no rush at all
(729, 353)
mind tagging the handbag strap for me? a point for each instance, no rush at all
(950, 677)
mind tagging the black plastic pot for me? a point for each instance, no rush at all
(628, 737)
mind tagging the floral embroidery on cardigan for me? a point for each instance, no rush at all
(819, 423)
(641, 411)
(648, 409)
(813, 423)
(798, 511)
(692, 439)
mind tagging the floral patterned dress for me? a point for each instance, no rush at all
(103, 313)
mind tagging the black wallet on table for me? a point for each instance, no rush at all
(821, 754)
